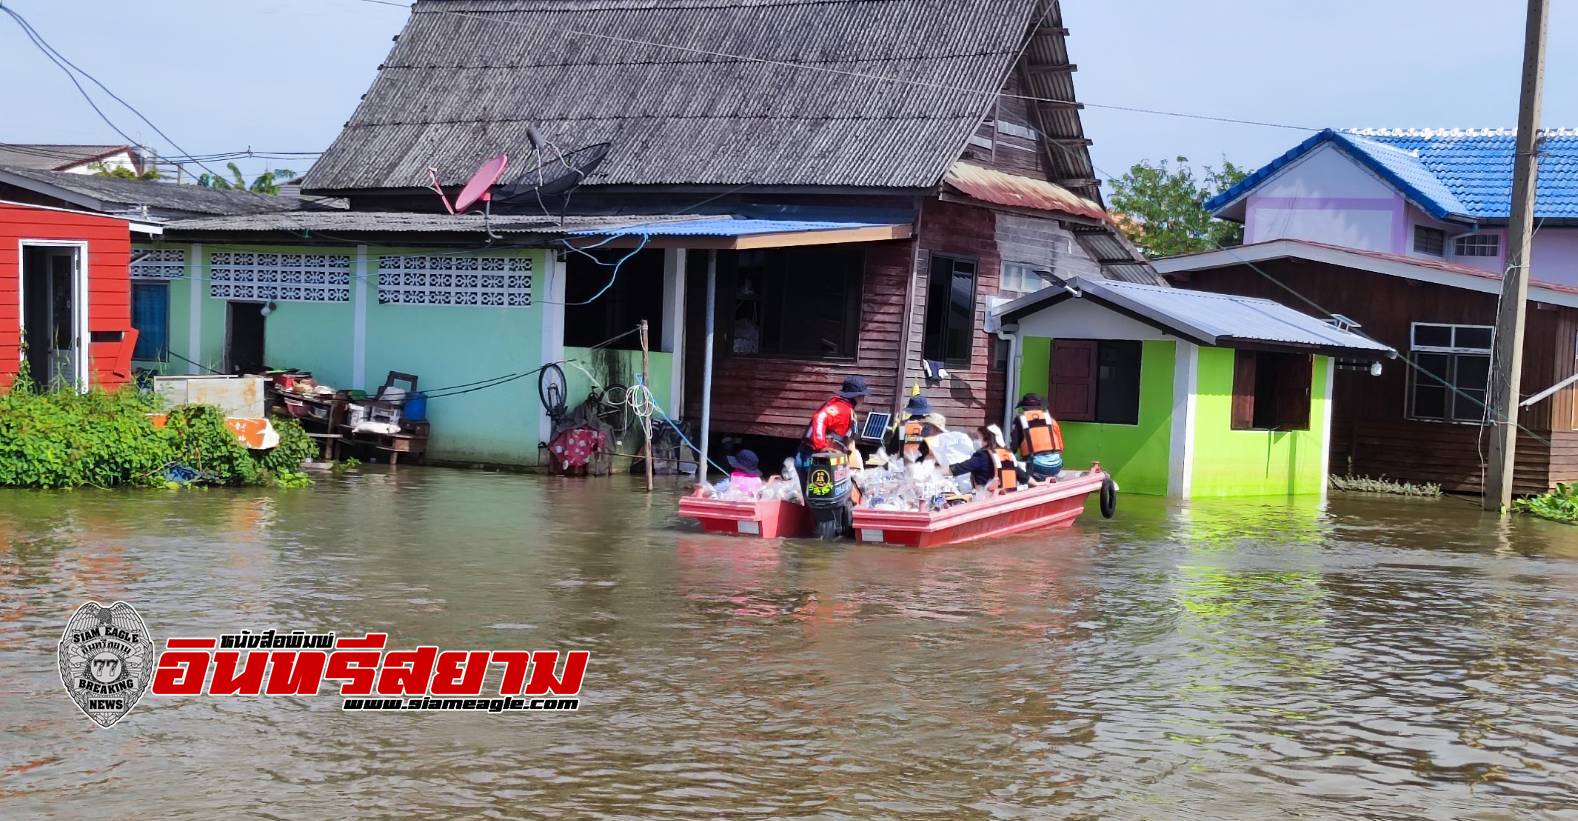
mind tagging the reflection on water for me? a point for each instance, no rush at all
(1382, 658)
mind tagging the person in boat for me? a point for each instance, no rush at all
(1037, 438)
(992, 466)
(908, 438)
(832, 427)
(746, 476)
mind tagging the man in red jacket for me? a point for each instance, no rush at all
(833, 425)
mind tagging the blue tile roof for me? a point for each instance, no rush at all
(1451, 174)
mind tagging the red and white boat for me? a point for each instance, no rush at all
(1055, 504)
(770, 519)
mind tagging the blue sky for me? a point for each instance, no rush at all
(283, 75)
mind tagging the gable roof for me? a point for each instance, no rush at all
(163, 199)
(758, 92)
(1419, 269)
(53, 157)
(1206, 318)
(1455, 174)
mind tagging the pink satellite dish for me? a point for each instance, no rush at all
(478, 189)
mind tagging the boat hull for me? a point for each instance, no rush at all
(1056, 504)
(764, 520)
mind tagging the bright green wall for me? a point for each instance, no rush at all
(626, 367)
(1136, 455)
(1231, 462)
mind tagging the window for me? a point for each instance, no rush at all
(798, 302)
(1021, 278)
(266, 277)
(600, 305)
(1271, 391)
(462, 281)
(1429, 240)
(950, 310)
(1478, 245)
(150, 313)
(1452, 371)
(1096, 381)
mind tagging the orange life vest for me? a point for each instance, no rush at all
(1007, 470)
(913, 434)
(1042, 433)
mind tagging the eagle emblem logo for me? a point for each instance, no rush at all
(106, 660)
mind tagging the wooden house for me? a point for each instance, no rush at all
(65, 296)
(854, 181)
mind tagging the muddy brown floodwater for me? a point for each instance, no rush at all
(1377, 658)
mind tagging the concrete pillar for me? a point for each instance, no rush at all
(673, 340)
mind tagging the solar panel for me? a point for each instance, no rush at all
(876, 425)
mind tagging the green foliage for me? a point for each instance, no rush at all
(266, 183)
(63, 439)
(1163, 210)
(348, 463)
(1559, 505)
(1364, 484)
(121, 172)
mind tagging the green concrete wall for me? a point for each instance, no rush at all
(1137, 455)
(625, 367)
(443, 345)
(1231, 462)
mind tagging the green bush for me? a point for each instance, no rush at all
(1364, 484)
(1559, 505)
(63, 439)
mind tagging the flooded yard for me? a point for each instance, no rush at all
(1384, 658)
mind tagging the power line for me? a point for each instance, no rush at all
(866, 75)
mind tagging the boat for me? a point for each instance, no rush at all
(764, 519)
(1055, 504)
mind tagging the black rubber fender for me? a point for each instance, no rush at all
(1109, 498)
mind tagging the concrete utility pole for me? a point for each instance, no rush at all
(1506, 372)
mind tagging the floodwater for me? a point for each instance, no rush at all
(1377, 658)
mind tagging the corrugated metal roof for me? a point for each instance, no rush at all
(1205, 317)
(168, 197)
(377, 222)
(740, 91)
(1463, 174)
(1015, 191)
(730, 227)
(52, 157)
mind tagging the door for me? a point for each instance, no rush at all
(244, 337)
(55, 314)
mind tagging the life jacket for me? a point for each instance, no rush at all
(1007, 470)
(913, 434)
(1042, 433)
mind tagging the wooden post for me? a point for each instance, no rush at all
(646, 422)
(1506, 374)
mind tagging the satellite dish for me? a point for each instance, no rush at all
(555, 177)
(478, 189)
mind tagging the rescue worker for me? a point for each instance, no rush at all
(833, 425)
(992, 466)
(908, 438)
(1037, 438)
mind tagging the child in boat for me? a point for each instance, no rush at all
(992, 466)
(747, 474)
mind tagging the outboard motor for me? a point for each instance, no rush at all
(829, 494)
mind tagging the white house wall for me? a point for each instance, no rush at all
(1081, 319)
(1327, 197)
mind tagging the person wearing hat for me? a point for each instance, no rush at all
(747, 474)
(1037, 438)
(833, 425)
(908, 438)
(992, 466)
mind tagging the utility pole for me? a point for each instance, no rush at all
(1506, 372)
(646, 421)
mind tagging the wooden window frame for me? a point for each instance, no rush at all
(1092, 381)
(1249, 387)
(1451, 387)
(975, 294)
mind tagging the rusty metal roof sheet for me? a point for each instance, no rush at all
(1014, 191)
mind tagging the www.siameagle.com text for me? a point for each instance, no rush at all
(491, 705)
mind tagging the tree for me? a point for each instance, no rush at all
(266, 183)
(1163, 210)
(121, 172)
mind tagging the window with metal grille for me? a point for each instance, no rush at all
(158, 263)
(1478, 245)
(1451, 373)
(1429, 240)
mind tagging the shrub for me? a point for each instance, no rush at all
(1559, 505)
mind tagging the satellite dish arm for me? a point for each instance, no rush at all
(432, 174)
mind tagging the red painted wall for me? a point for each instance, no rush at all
(109, 281)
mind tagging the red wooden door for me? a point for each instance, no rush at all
(1073, 380)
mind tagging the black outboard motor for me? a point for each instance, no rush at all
(829, 494)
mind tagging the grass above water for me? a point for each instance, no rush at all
(1365, 484)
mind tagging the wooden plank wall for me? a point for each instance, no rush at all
(775, 396)
(954, 229)
(109, 280)
(1371, 433)
(1013, 153)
